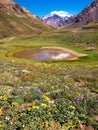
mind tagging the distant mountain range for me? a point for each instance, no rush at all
(88, 15)
(16, 20)
(55, 19)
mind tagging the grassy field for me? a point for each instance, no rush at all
(49, 95)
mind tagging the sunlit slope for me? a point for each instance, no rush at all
(16, 20)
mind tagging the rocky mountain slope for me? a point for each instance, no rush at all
(56, 19)
(16, 20)
(88, 15)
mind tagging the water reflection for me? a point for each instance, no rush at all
(47, 54)
(51, 54)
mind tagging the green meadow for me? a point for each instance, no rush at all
(52, 95)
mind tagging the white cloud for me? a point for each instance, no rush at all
(61, 13)
(61, 56)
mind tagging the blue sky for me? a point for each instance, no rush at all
(44, 7)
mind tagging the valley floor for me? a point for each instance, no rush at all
(59, 95)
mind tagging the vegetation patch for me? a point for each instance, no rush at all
(49, 95)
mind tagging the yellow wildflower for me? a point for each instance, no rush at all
(1, 97)
(35, 107)
(52, 87)
(44, 105)
(22, 114)
(97, 90)
(15, 104)
(48, 93)
(54, 105)
(35, 84)
(29, 109)
(78, 94)
(47, 98)
(0, 124)
(71, 107)
(1, 112)
(4, 98)
(70, 125)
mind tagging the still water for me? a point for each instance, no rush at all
(44, 54)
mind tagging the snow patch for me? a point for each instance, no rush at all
(62, 14)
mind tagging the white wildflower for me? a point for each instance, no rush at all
(7, 118)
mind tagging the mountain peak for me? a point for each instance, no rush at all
(57, 18)
(62, 14)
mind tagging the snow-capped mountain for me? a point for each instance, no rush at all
(57, 18)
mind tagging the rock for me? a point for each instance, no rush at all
(66, 77)
(89, 128)
(96, 118)
(51, 102)
(90, 49)
(2, 48)
(84, 127)
(25, 71)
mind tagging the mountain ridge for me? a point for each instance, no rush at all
(10, 7)
(56, 20)
(87, 15)
(16, 20)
